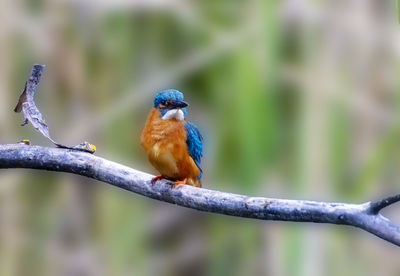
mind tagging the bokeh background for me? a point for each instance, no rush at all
(296, 99)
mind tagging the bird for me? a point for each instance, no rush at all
(173, 145)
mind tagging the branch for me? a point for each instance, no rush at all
(26, 103)
(377, 206)
(365, 216)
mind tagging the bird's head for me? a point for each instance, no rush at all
(170, 104)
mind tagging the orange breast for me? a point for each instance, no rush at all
(165, 144)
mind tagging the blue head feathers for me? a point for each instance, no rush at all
(169, 99)
(167, 95)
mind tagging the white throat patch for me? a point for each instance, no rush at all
(174, 114)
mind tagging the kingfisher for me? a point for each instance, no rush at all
(173, 145)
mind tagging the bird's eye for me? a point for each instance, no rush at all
(163, 102)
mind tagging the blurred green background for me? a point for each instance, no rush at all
(296, 99)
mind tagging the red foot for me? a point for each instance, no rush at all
(154, 179)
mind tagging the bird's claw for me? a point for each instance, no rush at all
(179, 182)
(174, 183)
(154, 179)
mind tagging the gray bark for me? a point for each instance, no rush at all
(365, 216)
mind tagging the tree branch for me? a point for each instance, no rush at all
(377, 206)
(365, 216)
(26, 103)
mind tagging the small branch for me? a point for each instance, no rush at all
(26, 103)
(380, 204)
(30, 86)
(365, 216)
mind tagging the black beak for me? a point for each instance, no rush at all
(179, 104)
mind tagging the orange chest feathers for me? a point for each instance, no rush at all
(159, 135)
(165, 144)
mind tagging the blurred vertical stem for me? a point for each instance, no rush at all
(339, 146)
(398, 11)
(126, 250)
(243, 90)
(309, 143)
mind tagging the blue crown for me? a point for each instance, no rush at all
(169, 94)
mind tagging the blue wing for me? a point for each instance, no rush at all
(194, 144)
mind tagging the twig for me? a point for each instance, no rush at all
(377, 206)
(26, 103)
(365, 216)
